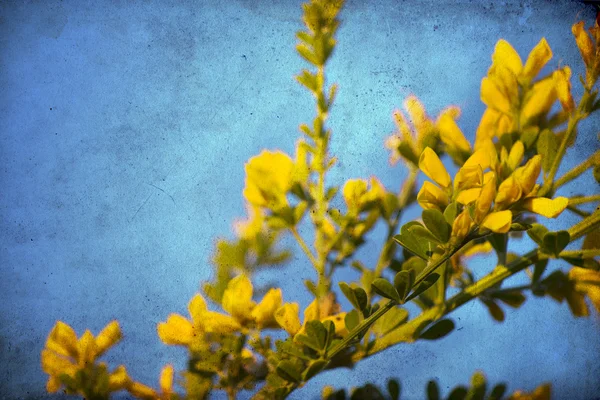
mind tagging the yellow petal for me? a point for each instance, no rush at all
(220, 323)
(176, 331)
(506, 82)
(353, 191)
(110, 335)
(417, 114)
(63, 340)
(487, 127)
(197, 308)
(492, 97)
(505, 54)
(253, 225)
(142, 391)
(403, 128)
(516, 155)
(462, 225)
(584, 274)
(486, 197)
(562, 84)
(311, 312)
(118, 379)
(585, 44)
(538, 57)
(480, 248)
(55, 365)
(549, 208)
(468, 196)
(527, 175)
(451, 134)
(543, 96)
(468, 177)
(431, 196)
(432, 166)
(508, 193)
(166, 379)
(237, 298)
(86, 346)
(498, 222)
(264, 312)
(53, 384)
(287, 317)
(481, 158)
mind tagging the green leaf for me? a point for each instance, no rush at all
(499, 242)
(514, 299)
(495, 310)
(316, 330)
(423, 286)
(436, 223)
(288, 371)
(349, 293)
(478, 387)
(438, 330)
(309, 80)
(497, 392)
(351, 320)
(403, 283)
(538, 270)
(416, 264)
(309, 341)
(314, 368)
(537, 233)
(433, 391)
(361, 298)
(451, 212)
(393, 389)
(555, 242)
(458, 393)
(310, 285)
(548, 146)
(519, 227)
(307, 54)
(410, 243)
(385, 289)
(529, 136)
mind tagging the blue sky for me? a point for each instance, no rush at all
(124, 130)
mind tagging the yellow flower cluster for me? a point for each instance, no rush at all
(65, 355)
(237, 302)
(476, 187)
(513, 103)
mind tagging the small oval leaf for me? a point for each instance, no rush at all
(438, 330)
(385, 289)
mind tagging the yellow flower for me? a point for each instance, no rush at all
(585, 44)
(353, 191)
(562, 83)
(65, 354)
(462, 225)
(539, 56)
(431, 196)
(451, 134)
(527, 175)
(237, 298)
(542, 392)
(178, 330)
(549, 208)
(509, 192)
(431, 165)
(498, 222)
(539, 101)
(269, 176)
(287, 317)
(165, 383)
(516, 155)
(264, 312)
(486, 197)
(118, 379)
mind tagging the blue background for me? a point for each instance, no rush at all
(124, 129)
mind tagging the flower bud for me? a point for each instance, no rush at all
(486, 197)
(431, 196)
(432, 166)
(508, 193)
(526, 175)
(462, 225)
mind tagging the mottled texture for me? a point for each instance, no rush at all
(124, 130)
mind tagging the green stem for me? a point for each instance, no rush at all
(584, 199)
(578, 170)
(304, 246)
(587, 253)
